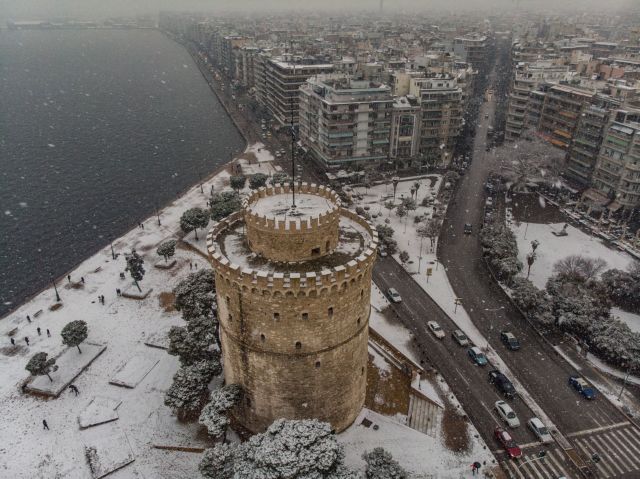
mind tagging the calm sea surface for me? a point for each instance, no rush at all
(96, 126)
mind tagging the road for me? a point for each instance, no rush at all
(537, 366)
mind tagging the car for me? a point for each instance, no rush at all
(468, 228)
(507, 414)
(509, 340)
(435, 329)
(486, 115)
(502, 383)
(460, 338)
(382, 252)
(394, 296)
(508, 443)
(477, 356)
(582, 386)
(539, 430)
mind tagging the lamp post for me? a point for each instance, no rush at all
(113, 253)
(624, 382)
(53, 282)
(158, 213)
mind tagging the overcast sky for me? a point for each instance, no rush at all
(20, 9)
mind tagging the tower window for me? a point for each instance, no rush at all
(362, 370)
(327, 245)
(315, 251)
(305, 316)
(362, 293)
(359, 320)
(262, 338)
(298, 345)
(317, 364)
(276, 316)
(330, 312)
(230, 317)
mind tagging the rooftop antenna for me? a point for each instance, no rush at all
(293, 160)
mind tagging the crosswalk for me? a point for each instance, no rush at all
(617, 446)
(530, 466)
(618, 450)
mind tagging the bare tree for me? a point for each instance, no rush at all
(579, 268)
(529, 160)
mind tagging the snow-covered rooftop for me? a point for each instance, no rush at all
(280, 206)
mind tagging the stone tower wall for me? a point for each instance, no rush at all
(297, 343)
(293, 239)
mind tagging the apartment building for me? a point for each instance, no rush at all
(585, 145)
(527, 78)
(561, 111)
(441, 110)
(345, 122)
(405, 131)
(278, 81)
(617, 172)
(471, 49)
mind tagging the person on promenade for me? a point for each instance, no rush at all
(45, 425)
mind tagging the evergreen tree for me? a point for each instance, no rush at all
(167, 249)
(196, 295)
(223, 204)
(381, 465)
(192, 219)
(280, 178)
(258, 181)
(135, 267)
(39, 365)
(74, 333)
(214, 416)
(404, 256)
(194, 342)
(217, 462)
(188, 392)
(292, 449)
(237, 182)
(385, 235)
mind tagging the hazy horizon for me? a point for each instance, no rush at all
(37, 9)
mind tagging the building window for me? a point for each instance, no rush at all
(330, 312)
(276, 316)
(305, 316)
(298, 345)
(230, 317)
(327, 245)
(362, 293)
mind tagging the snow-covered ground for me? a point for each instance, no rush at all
(124, 326)
(553, 248)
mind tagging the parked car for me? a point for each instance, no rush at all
(582, 386)
(509, 340)
(382, 252)
(477, 356)
(394, 296)
(508, 443)
(435, 329)
(468, 228)
(502, 383)
(539, 430)
(507, 414)
(460, 338)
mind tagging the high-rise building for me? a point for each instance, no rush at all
(561, 111)
(344, 121)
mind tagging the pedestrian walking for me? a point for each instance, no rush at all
(39, 331)
(13, 342)
(74, 389)
(26, 340)
(45, 425)
(69, 278)
(195, 265)
(118, 292)
(142, 225)
(190, 265)
(28, 318)
(48, 333)
(82, 279)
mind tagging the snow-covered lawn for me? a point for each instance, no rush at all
(553, 248)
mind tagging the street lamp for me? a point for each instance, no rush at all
(53, 282)
(624, 382)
